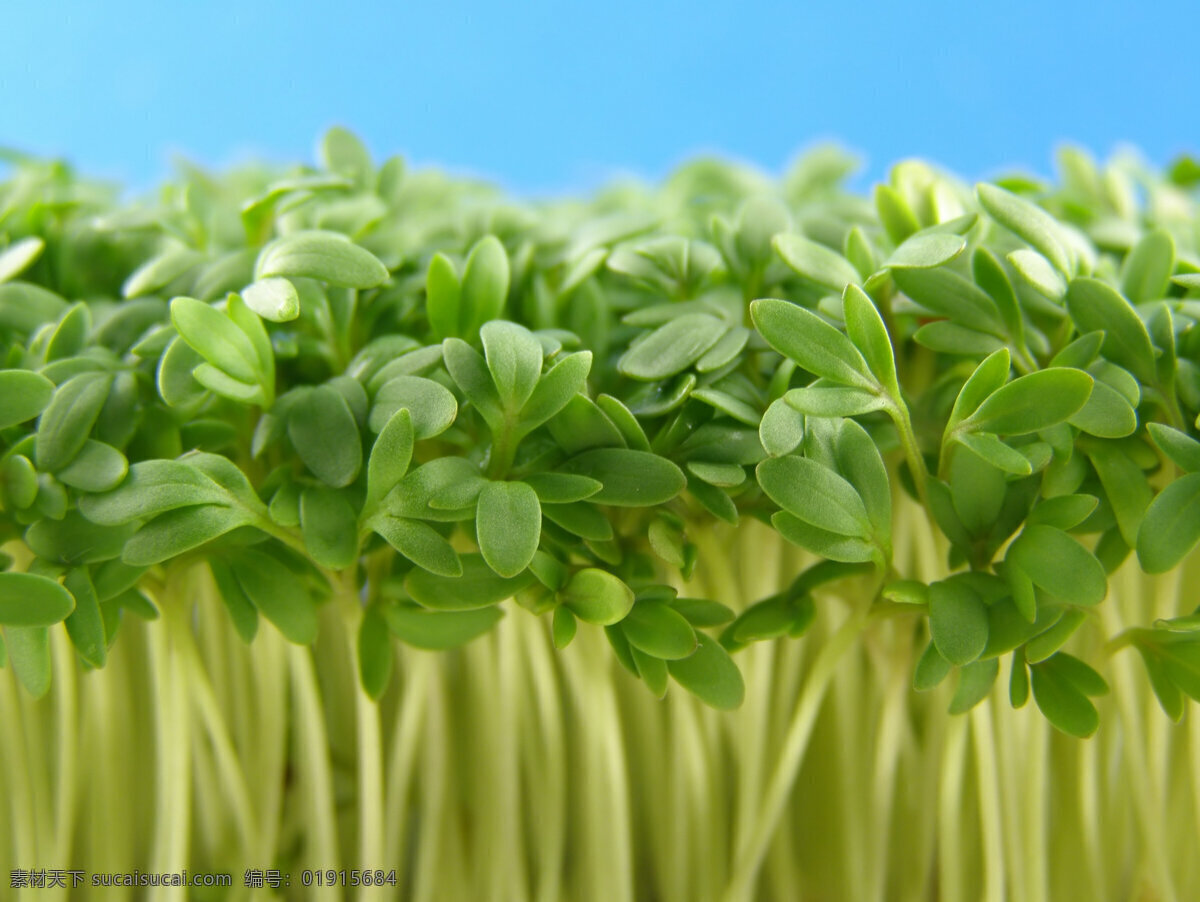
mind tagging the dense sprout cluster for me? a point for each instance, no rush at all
(419, 394)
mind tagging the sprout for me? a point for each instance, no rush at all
(951, 437)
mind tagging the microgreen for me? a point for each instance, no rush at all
(354, 392)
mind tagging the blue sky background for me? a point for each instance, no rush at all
(551, 97)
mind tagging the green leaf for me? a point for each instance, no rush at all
(946, 293)
(1180, 447)
(278, 594)
(1028, 221)
(733, 407)
(390, 457)
(484, 285)
(771, 618)
(28, 650)
(597, 596)
(216, 338)
(508, 522)
(514, 358)
(996, 453)
(1018, 683)
(1095, 305)
(710, 674)
(931, 669)
(420, 543)
(439, 630)
(895, 215)
(725, 475)
(563, 627)
(1171, 527)
(782, 428)
(814, 494)
(175, 381)
(818, 347)
(413, 494)
(951, 338)
(977, 491)
(672, 348)
(558, 386)
(478, 587)
(73, 540)
(19, 256)
(701, 612)
(625, 422)
(469, 371)
(1062, 702)
(1128, 492)
(325, 435)
(859, 459)
(20, 481)
(822, 542)
(630, 478)
(96, 468)
(241, 609)
(24, 307)
(562, 488)
(27, 599)
(151, 488)
(1046, 643)
(582, 520)
(375, 656)
(329, 525)
(431, 405)
(1062, 511)
(341, 151)
(926, 250)
(66, 423)
(1039, 273)
(834, 401)
(329, 257)
(23, 395)
(958, 621)
(866, 329)
(660, 631)
(1059, 565)
(275, 299)
(178, 531)
(974, 685)
(725, 351)
(222, 383)
(443, 297)
(85, 625)
(815, 262)
(1032, 402)
(1146, 272)
(1107, 413)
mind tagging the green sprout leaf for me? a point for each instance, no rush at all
(710, 674)
(629, 478)
(508, 522)
(1028, 221)
(325, 435)
(1171, 527)
(23, 395)
(275, 299)
(439, 630)
(27, 599)
(804, 337)
(326, 256)
(958, 621)
(1032, 402)
(596, 596)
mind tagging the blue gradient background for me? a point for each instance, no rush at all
(553, 97)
